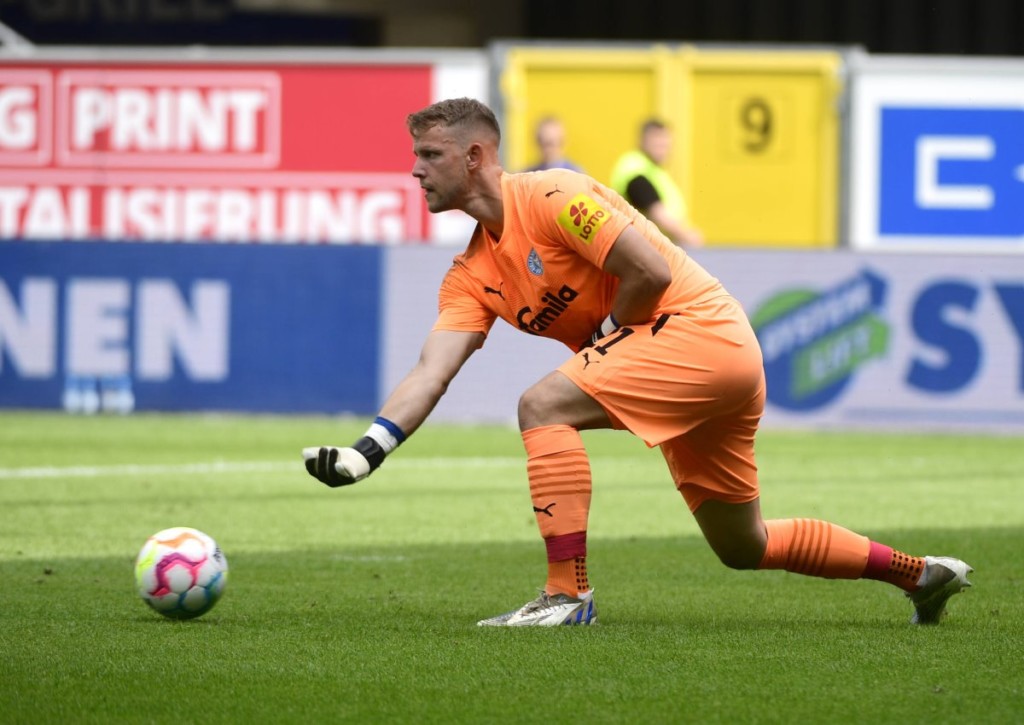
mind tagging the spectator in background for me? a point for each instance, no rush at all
(640, 176)
(551, 144)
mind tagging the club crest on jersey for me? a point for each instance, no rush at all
(582, 217)
(534, 264)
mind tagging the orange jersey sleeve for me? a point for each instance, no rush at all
(459, 308)
(570, 209)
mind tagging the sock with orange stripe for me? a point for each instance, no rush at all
(814, 548)
(820, 548)
(559, 473)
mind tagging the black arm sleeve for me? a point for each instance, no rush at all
(641, 193)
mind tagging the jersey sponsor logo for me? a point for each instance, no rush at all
(814, 342)
(534, 264)
(582, 217)
(555, 305)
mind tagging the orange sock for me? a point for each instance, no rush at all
(568, 576)
(815, 548)
(559, 473)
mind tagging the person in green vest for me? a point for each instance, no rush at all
(641, 177)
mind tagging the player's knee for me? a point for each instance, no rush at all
(741, 557)
(556, 400)
(533, 409)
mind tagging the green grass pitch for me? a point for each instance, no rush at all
(359, 604)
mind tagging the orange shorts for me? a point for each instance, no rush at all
(693, 384)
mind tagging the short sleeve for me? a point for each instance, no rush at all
(458, 308)
(578, 216)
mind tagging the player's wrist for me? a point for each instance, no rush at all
(387, 434)
(382, 437)
(608, 325)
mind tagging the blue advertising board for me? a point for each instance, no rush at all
(952, 172)
(189, 327)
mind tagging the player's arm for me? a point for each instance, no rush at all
(643, 274)
(441, 358)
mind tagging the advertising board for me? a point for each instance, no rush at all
(937, 155)
(286, 152)
(91, 326)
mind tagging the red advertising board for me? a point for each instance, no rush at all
(283, 153)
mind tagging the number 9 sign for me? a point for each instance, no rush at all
(763, 138)
(756, 119)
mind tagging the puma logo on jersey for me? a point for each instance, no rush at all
(556, 191)
(582, 217)
(555, 305)
(492, 291)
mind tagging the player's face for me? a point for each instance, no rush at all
(440, 168)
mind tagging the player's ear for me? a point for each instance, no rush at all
(474, 155)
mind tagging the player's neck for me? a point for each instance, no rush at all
(486, 205)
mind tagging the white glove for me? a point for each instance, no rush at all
(343, 466)
(339, 466)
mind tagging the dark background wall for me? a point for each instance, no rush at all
(977, 27)
(989, 27)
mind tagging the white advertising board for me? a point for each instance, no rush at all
(936, 154)
(894, 341)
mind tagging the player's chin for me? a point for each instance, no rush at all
(436, 204)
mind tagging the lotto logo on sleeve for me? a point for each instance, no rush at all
(582, 217)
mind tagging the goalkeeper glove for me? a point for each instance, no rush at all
(608, 326)
(344, 466)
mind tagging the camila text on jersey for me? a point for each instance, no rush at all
(555, 306)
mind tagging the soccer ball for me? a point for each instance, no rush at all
(181, 572)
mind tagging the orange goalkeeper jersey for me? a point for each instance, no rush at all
(544, 275)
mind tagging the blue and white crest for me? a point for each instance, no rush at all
(534, 264)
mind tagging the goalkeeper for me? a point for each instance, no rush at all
(660, 349)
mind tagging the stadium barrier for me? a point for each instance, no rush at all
(261, 161)
(777, 147)
(849, 339)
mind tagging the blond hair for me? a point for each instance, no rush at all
(456, 113)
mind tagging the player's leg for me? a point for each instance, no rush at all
(551, 414)
(714, 470)
(635, 380)
(819, 548)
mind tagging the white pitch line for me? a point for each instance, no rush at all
(157, 469)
